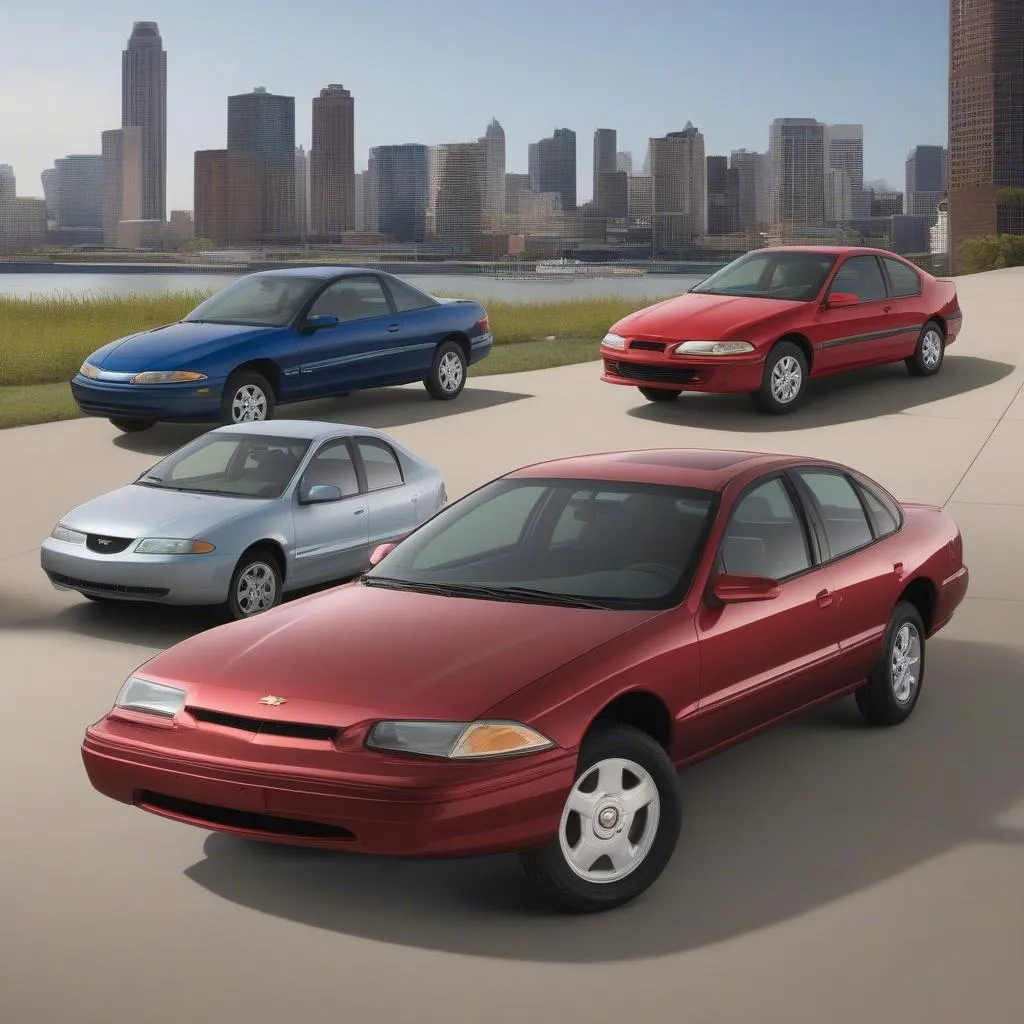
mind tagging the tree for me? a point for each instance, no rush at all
(991, 252)
(197, 245)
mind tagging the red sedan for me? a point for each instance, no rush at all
(528, 670)
(778, 317)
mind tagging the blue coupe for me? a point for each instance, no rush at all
(284, 336)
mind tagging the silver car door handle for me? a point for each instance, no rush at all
(359, 511)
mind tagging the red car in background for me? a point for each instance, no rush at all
(526, 671)
(775, 318)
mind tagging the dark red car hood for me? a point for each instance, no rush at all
(357, 652)
(696, 317)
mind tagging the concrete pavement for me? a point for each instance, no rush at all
(826, 872)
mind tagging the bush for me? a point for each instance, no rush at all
(991, 252)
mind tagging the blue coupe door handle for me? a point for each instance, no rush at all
(392, 328)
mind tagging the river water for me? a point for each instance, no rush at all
(481, 287)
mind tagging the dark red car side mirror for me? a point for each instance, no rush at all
(381, 551)
(837, 300)
(732, 588)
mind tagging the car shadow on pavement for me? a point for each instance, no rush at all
(844, 398)
(783, 825)
(380, 409)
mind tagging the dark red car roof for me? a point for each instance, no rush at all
(706, 468)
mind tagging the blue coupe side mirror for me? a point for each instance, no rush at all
(319, 322)
(319, 493)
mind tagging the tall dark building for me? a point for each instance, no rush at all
(552, 166)
(986, 118)
(262, 126)
(144, 104)
(605, 148)
(723, 196)
(399, 182)
(332, 163)
(926, 180)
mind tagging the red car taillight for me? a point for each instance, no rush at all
(484, 323)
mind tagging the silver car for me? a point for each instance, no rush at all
(244, 514)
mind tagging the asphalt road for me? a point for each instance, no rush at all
(826, 873)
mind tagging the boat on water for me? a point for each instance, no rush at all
(564, 268)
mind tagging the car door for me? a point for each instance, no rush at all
(348, 355)
(332, 538)
(413, 346)
(845, 337)
(861, 544)
(763, 659)
(909, 312)
(392, 511)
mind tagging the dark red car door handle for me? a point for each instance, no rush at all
(886, 309)
(897, 567)
(824, 598)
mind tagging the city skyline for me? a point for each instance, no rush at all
(425, 117)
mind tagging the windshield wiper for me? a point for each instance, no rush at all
(520, 594)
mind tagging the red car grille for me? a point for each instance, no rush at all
(247, 821)
(295, 730)
(655, 374)
(648, 346)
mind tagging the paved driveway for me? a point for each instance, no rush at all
(827, 873)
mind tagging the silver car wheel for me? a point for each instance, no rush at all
(249, 404)
(786, 380)
(256, 590)
(449, 372)
(610, 821)
(931, 349)
(903, 666)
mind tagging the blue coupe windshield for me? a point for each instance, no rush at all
(257, 300)
(771, 274)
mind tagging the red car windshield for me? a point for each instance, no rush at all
(771, 274)
(592, 543)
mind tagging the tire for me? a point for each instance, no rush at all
(888, 697)
(255, 586)
(563, 881)
(785, 380)
(659, 394)
(929, 353)
(447, 375)
(247, 398)
(127, 426)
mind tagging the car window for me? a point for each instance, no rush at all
(904, 279)
(582, 508)
(860, 276)
(846, 524)
(210, 460)
(269, 300)
(407, 298)
(380, 465)
(886, 517)
(771, 274)
(765, 535)
(333, 465)
(352, 298)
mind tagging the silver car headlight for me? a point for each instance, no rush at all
(144, 695)
(611, 340)
(167, 377)
(457, 740)
(713, 348)
(172, 546)
(66, 534)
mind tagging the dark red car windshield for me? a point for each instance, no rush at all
(609, 544)
(768, 274)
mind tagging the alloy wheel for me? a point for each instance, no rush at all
(449, 372)
(786, 380)
(903, 666)
(931, 349)
(249, 404)
(256, 590)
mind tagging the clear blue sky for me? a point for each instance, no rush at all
(438, 72)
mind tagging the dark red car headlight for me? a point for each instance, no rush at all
(457, 740)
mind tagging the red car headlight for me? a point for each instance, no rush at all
(457, 740)
(713, 348)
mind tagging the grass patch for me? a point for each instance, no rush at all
(23, 405)
(44, 339)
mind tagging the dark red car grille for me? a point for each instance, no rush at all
(296, 730)
(648, 346)
(642, 372)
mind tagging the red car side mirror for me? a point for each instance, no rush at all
(732, 588)
(839, 299)
(381, 551)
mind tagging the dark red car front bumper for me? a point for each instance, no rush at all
(443, 809)
(715, 374)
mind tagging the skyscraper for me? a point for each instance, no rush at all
(605, 142)
(680, 190)
(552, 166)
(80, 191)
(796, 146)
(624, 162)
(144, 105)
(332, 163)
(494, 193)
(261, 125)
(123, 179)
(844, 152)
(398, 180)
(455, 199)
(986, 118)
(926, 180)
(302, 198)
(8, 184)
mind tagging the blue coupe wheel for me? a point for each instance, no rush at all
(248, 398)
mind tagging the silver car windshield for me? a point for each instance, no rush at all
(235, 465)
(256, 301)
(588, 543)
(782, 274)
